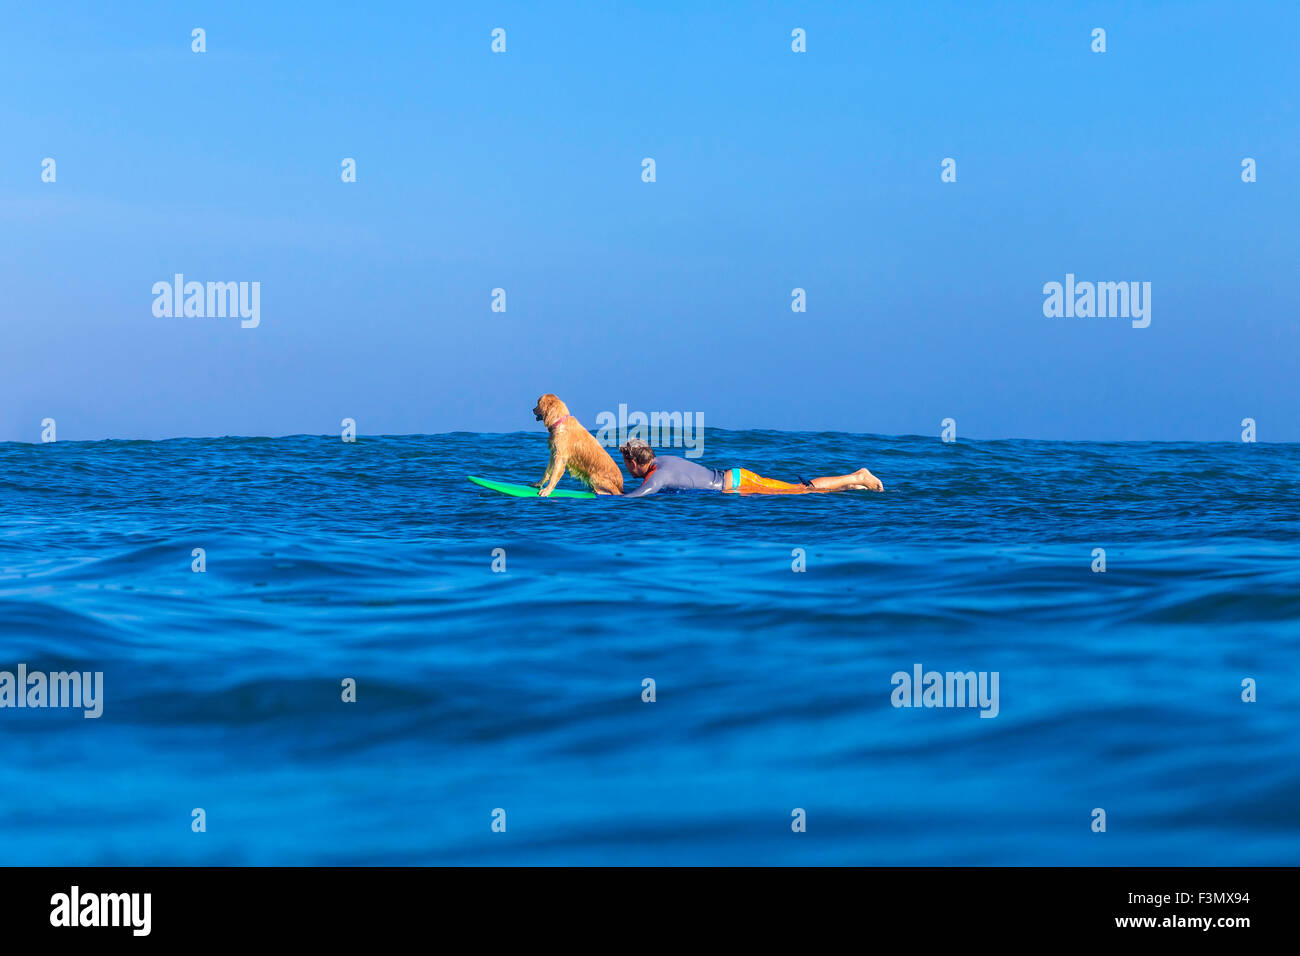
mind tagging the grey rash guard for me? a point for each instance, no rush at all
(678, 473)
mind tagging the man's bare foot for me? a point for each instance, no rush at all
(866, 481)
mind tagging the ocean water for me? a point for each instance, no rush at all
(522, 690)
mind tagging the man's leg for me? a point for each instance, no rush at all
(860, 480)
(752, 484)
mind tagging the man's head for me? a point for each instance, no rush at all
(638, 456)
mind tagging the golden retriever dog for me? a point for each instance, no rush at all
(574, 448)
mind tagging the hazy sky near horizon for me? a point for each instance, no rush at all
(775, 170)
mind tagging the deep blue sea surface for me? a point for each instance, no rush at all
(522, 690)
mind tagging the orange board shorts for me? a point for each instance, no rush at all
(745, 482)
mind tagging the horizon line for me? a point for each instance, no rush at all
(539, 434)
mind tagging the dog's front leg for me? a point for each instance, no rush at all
(546, 475)
(556, 473)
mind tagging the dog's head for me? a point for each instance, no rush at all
(549, 409)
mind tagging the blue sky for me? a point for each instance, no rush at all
(775, 170)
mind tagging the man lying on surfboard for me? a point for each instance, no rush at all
(668, 472)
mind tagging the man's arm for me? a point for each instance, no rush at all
(648, 487)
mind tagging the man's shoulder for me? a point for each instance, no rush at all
(675, 465)
(679, 462)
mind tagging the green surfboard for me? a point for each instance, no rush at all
(526, 491)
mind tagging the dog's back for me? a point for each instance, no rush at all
(591, 464)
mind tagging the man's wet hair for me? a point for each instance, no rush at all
(638, 451)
